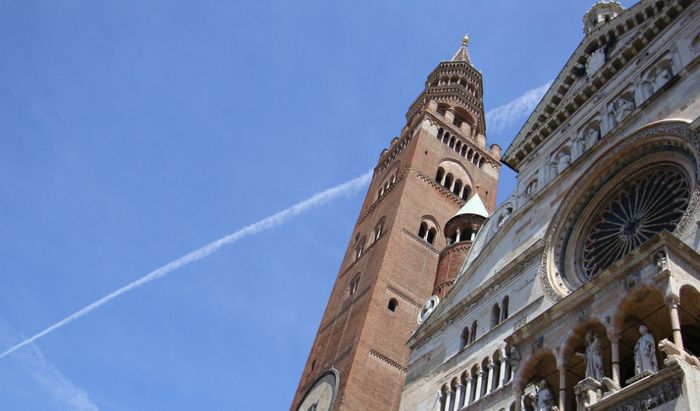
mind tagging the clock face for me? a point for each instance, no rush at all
(320, 397)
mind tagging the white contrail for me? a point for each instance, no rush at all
(47, 376)
(503, 116)
(267, 223)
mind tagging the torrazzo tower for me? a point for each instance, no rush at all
(431, 190)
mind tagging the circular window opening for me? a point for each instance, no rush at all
(634, 211)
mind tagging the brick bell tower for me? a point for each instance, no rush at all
(358, 359)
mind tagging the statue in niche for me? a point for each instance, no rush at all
(563, 161)
(544, 400)
(621, 108)
(660, 261)
(594, 357)
(661, 78)
(645, 353)
(591, 136)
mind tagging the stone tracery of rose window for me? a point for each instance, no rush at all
(639, 209)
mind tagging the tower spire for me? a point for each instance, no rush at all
(463, 54)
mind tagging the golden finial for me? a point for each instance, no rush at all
(465, 40)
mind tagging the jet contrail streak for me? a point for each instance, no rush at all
(267, 223)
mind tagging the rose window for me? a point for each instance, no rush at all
(640, 208)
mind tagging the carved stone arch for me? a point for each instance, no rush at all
(465, 116)
(643, 305)
(541, 364)
(626, 304)
(665, 144)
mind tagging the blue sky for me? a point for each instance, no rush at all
(134, 132)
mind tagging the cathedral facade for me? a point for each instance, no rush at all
(579, 292)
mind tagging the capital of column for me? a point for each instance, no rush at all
(614, 337)
(672, 300)
(469, 379)
(459, 386)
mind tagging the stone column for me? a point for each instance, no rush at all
(458, 396)
(672, 302)
(448, 401)
(518, 399)
(477, 394)
(562, 387)
(615, 354)
(504, 364)
(489, 378)
(468, 391)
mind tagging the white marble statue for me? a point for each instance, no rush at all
(645, 352)
(564, 160)
(622, 108)
(592, 136)
(594, 357)
(544, 401)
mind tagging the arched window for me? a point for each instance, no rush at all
(441, 131)
(360, 248)
(448, 181)
(423, 230)
(465, 337)
(458, 187)
(466, 193)
(495, 315)
(504, 308)
(378, 229)
(352, 287)
(472, 337)
(431, 236)
(440, 175)
(393, 304)
(452, 142)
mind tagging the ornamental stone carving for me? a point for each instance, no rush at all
(574, 227)
(652, 397)
(595, 62)
(428, 308)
